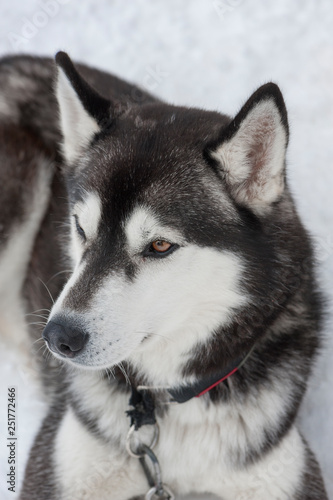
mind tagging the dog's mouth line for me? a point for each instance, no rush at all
(78, 362)
(85, 358)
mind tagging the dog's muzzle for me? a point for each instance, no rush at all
(64, 339)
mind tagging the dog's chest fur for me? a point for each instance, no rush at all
(196, 449)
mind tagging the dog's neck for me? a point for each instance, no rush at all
(180, 384)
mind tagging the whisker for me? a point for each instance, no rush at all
(47, 289)
(38, 316)
(43, 346)
(37, 311)
(60, 272)
(109, 373)
(123, 371)
(38, 340)
(44, 350)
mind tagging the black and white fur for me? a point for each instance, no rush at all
(123, 170)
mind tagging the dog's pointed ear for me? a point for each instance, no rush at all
(83, 112)
(251, 150)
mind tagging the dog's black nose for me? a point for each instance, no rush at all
(64, 339)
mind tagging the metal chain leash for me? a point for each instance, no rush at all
(158, 490)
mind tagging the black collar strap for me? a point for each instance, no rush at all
(186, 392)
(143, 402)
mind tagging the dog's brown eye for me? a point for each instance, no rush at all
(161, 246)
(159, 249)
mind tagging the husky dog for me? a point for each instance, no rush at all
(179, 266)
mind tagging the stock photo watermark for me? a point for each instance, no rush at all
(224, 7)
(290, 454)
(48, 9)
(152, 79)
(11, 474)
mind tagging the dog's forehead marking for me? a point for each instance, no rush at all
(89, 212)
(143, 226)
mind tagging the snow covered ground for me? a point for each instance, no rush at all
(211, 54)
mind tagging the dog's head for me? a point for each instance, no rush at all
(168, 211)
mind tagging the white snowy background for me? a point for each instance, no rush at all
(210, 54)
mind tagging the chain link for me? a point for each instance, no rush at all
(137, 452)
(165, 495)
(158, 490)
